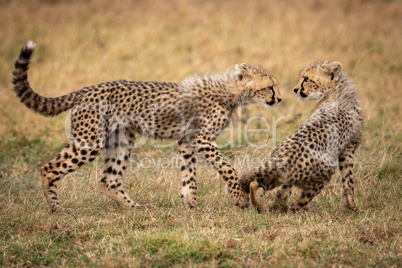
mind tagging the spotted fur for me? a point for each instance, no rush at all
(309, 157)
(107, 117)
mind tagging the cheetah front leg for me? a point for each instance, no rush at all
(307, 194)
(188, 172)
(346, 167)
(204, 146)
(281, 199)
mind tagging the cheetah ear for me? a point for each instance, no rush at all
(244, 66)
(334, 69)
(238, 71)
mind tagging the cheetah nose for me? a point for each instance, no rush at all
(295, 90)
(279, 100)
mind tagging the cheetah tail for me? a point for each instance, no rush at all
(41, 105)
(246, 179)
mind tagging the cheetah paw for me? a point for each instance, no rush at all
(190, 201)
(347, 208)
(61, 210)
(142, 207)
(257, 197)
(192, 205)
(277, 207)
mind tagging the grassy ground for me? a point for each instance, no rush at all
(80, 43)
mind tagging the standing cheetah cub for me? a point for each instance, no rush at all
(108, 116)
(308, 158)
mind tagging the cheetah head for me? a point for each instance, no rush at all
(257, 85)
(317, 80)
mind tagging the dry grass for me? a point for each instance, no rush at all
(86, 42)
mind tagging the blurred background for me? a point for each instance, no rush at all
(85, 42)
(80, 43)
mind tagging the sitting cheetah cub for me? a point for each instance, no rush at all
(308, 158)
(108, 116)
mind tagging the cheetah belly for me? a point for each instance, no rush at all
(169, 122)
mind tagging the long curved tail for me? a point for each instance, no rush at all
(41, 105)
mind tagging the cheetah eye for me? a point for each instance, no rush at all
(271, 88)
(305, 79)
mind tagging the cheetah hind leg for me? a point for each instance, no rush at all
(70, 159)
(257, 194)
